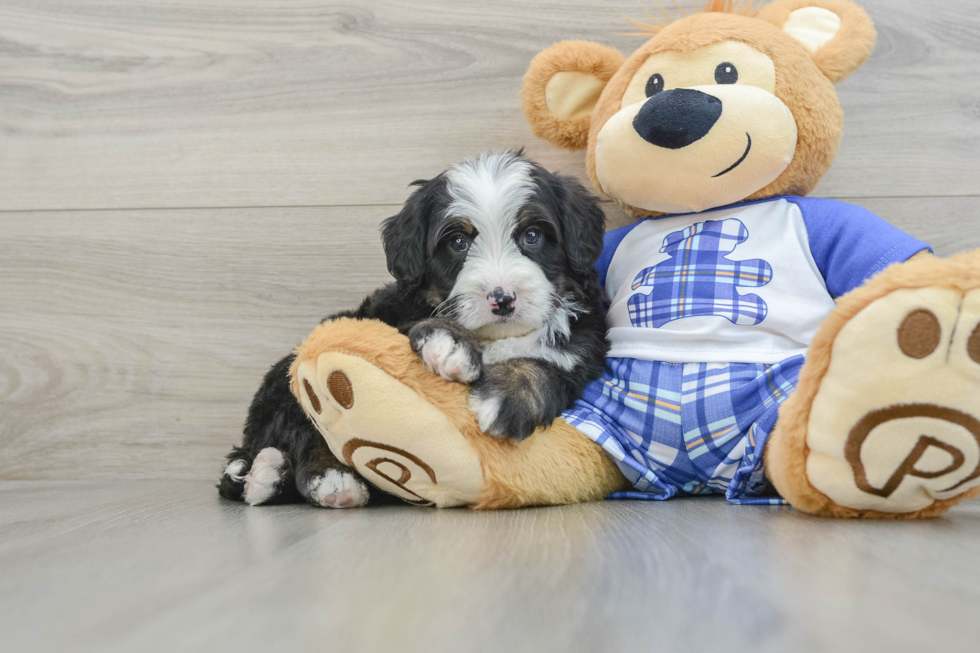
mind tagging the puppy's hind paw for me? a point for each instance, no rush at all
(263, 481)
(338, 489)
(231, 485)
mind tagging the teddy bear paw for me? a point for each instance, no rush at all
(895, 425)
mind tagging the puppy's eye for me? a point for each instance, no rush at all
(532, 238)
(655, 84)
(459, 243)
(726, 73)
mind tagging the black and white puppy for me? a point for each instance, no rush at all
(505, 252)
(495, 286)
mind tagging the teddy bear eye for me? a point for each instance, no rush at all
(726, 73)
(655, 84)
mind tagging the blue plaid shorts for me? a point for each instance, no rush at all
(697, 428)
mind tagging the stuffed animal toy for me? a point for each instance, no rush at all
(759, 339)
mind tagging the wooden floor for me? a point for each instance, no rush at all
(167, 566)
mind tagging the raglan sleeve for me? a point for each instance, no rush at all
(610, 244)
(851, 244)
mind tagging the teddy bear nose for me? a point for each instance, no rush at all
(677, 118)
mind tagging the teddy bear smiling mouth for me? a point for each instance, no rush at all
(740, 161)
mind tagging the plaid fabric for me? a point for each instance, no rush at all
(699, 280)
(697, 428)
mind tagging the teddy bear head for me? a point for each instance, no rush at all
(733, 103)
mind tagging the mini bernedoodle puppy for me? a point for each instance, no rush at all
(495, 286)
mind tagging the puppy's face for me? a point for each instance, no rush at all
(497, 243)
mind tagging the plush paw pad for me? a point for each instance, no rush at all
(262, 481)
(895, 425)
(338, 489)
(385, 433)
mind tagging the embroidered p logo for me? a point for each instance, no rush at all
(699, 280)
(952, 457)
(390, 468)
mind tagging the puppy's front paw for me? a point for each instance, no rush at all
(449, 352)
(499, 415)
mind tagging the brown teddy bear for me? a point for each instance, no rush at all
(757, 336)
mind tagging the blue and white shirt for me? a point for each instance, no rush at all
(749, 283)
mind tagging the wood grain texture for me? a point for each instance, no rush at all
(132, 341)
(218, 103)
(167, 566)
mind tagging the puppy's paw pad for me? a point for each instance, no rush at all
(262, 481)
(449, 358)
(338, 489)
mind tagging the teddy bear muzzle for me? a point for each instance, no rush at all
(691, 149)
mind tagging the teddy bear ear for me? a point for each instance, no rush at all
(838, 34)
(562, 87)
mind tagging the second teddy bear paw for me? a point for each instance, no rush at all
(894, 426)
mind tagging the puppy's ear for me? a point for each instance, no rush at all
(583, 223)
(562, 87)
(404, 236)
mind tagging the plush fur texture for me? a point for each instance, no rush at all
(584, 57)
(786, 452)
(851, 46)
(493, 222)
(809, 95)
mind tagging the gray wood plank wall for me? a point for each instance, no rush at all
(187, 186)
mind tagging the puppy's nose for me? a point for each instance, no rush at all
(677, 118)
(501, 301)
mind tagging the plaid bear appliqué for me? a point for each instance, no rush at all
(698, 279)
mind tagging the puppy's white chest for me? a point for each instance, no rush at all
(532, 345)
